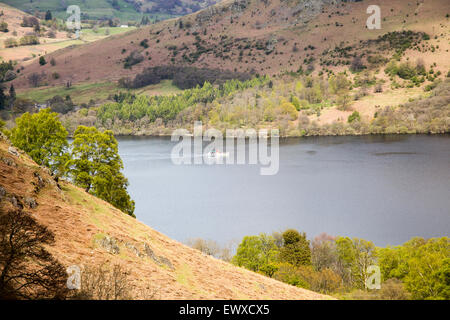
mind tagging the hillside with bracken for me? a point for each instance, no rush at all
(254, 36)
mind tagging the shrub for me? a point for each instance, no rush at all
(144, 43)
(51, 34)
(378, 88)
(133, 59)
(3, 26)
(104, 282)
(343, 101)
(42, 61)
(296, 102)
(35, 79)
(391, 69)
(287, 273)
(60, 105)
(406, 71)
(29, 21)
(287, 108)
(325, 281)
(355, 116)
(420, 67)
(377, 59)
(432, 85)
(393, 289)
(84, 112)
(10, 43)
(357, 65)
(29, 40)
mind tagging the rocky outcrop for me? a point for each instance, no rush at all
(158, 260)
(30, 202)
(109, 244)
(112, 245)
(9, 76)
(2, 193)
(39, 183)
(13, 151)
(8, 161)
(133, 249)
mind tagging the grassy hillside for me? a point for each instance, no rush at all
(92, 9)
(125, 10)
(306, 54)
(255, 37)
(13, 17)
(60, 39)
(90, 232)
(98, 92)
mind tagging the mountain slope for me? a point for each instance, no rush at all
(261, 36)
(174, 7)
(89, 231)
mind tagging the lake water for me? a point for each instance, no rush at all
(381, 188)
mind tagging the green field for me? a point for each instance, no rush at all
(99, 92)
(91, 35)
(90, 9)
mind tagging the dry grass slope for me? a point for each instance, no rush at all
(89, 231)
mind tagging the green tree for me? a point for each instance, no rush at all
(257, 253)
(355, 256)
(12, 92)
(355, 116)
(422, 265)
(323, 252)
(43, 137)
(339, 84)
(3, 97)
(12, 97)
(343, 100)
(42, 61)
(96, 166)
(48, 15)
(3, 26)
(295, 250)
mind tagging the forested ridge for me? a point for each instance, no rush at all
(292, 104)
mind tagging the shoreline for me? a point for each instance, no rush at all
(70, 136)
